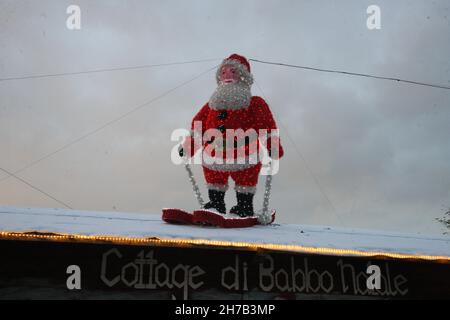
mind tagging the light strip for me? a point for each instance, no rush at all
(214, 243)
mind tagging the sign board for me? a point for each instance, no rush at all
(80, 270)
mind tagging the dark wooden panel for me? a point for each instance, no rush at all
(31, 269)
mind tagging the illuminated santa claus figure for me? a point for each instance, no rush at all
(232, 125)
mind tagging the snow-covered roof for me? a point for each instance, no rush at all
(141, 228)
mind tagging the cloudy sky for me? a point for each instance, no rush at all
(360, 152)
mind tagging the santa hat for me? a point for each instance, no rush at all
(242, 60)
(241, 64)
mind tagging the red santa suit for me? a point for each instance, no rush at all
(234, 154)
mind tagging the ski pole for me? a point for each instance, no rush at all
(198, 195)
(265, 218)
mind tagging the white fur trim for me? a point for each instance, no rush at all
(237, 164)
(217, 187)
(227, 166)
(245, 189)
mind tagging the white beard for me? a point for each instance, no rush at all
(231, 96)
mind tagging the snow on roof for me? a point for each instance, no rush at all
(285, 237)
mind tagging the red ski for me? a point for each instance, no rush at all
(211, 218)
(177, 216)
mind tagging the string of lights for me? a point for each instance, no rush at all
(170, 242)
(348, 73)
(353, 74)
(146, 66)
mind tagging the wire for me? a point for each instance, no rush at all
(104, 70)
(316, 180)
(93, 132)
(354, 74)
(35, 188)
(207, 60)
